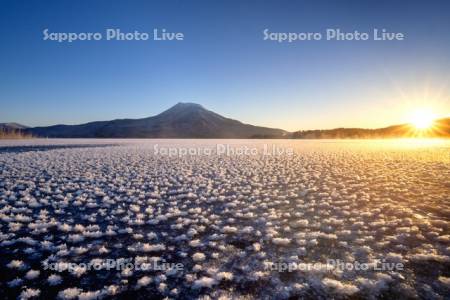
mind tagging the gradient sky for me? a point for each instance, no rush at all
(224, 63)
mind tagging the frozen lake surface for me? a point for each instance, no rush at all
(224, 218)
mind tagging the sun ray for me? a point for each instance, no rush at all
(422, 118)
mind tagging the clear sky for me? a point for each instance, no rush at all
(223, 62)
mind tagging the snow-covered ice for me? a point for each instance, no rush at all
(227, 220)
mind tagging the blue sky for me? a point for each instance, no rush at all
(223, 62)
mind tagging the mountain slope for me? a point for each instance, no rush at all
(12, 126)
(13, 131)
(184, 120)
(441, 128)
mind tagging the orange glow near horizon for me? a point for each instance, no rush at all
(423, 122)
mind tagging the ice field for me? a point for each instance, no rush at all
(263, 220)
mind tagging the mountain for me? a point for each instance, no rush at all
(11, 126)
(190, 120)
(13, 131)
(184, 120)
(440, 128)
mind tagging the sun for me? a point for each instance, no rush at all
(422, 118)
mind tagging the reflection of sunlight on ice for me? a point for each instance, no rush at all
(418, 142)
